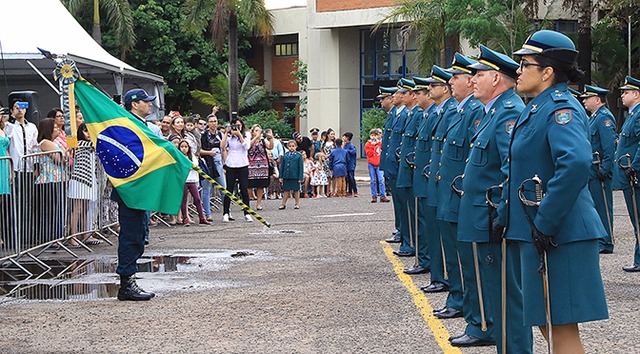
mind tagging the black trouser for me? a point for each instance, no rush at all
(240, 174)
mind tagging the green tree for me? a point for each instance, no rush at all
(269, 119)
(222, 16)
(119, 17)
(371, 118)
(301, 75)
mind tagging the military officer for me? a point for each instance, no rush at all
(405, 174)
(628, 143)
(558, 239)
(387, 103)
(440, 92)
(494, 84)
(400, 201)
(602, 126)
(455, 150)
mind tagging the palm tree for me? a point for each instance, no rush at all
(250, 93)
(119, 17)
(426, 20)
(223, 14)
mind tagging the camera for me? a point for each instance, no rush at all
(234, 127)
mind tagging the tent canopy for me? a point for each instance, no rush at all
(48, 25)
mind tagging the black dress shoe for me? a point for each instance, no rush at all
(393, 240)
(606, 251)
(435, 287)
(633, 268)
(456, 337)
(471, 341)
(439, 310)
(130, 291)
(416, 270)
(449, 313)
(403, 253)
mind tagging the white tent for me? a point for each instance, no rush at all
(47, 24)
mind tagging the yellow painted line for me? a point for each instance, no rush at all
(440, 333)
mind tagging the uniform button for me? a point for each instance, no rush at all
(401, 143)
(508, 159)
(429, 160)
(430, 149)
(467, 160)
(477, 143)
(432, 138)
(444, 140)
(414, 148)
(439, 178)
(454, 142)
(506, 180)
(471, 145)
(439, 164)
(506, 201)
(440, 152)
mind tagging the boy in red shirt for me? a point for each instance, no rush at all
(373, 148)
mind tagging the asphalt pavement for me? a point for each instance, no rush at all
(318, 281)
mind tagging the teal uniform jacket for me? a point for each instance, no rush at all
(405, 172)
(391, 161)
(487, 165)
(422, 150)
(455, 151)
(292, 166)
(551, 140)
(386, 136)
(602, 126)
(628, 143)
(438, 132)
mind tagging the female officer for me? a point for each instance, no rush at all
(550, 140)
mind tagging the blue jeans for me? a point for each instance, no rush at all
(206, 189)
(351, 182)
(377, 181)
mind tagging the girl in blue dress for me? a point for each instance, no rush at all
(291, 174)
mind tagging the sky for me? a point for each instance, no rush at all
(279, 4)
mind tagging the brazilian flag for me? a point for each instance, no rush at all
(148, 172)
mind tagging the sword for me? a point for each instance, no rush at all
(503, 267)
(459, 192)
(633, 182)
(597, 161)
(410, 159)
(544, 268)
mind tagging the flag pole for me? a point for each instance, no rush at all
(230, 195)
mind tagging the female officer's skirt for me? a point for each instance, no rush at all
(290, 185)
(575, 284)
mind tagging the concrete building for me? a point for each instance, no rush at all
(346, 63)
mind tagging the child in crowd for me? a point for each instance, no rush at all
(191, 186)
(338, 166)
(352, 188)
(309, 168)
(319, 177)
(274, 173)
(291, 174)
(373, 149)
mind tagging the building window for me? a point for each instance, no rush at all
(286, 49)
(567, 26)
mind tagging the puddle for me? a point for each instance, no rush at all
(90, 279)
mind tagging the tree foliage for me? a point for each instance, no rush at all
(371, 118)
(269, 119)
(250, 93)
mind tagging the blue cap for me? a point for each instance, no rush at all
(137, 95)
(386, 91)
(630, 83)
(575, 93)
(551, 44)
(421, 84)
(590, 91)
(405, 85)
(492, 60)
(439, 76)
(460, 65)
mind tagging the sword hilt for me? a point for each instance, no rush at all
(459, 192)
(410, 159)
(596, 158)
(537, 189)
(489, 195)
(425, 173)
(398, 154)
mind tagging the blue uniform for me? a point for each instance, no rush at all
(488, 167)
(602, 126)
(455, 151)
(422, 151)
(629, 143)
(551, 140)
(438, 120)
(291, 170)
(338, 162)
(384, 156)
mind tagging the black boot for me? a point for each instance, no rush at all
(129, 290)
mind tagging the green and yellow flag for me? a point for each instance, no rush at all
(148, 172)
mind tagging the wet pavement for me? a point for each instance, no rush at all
(318, 281)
